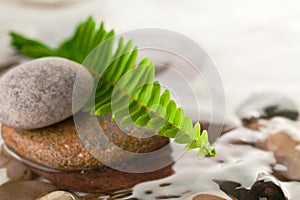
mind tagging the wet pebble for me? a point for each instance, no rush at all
(286, 153)
(25, 190)
(210, 196)
(266, 187)
(207, 197)
(39, 93)
(59, 195)
(268, 105)
(3, 176)
(15, 170)
(4, 160)
(280, 136)
(264, 190)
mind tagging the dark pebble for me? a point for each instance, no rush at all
(268, 105)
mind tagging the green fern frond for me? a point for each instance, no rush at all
(123, 88)
(86, 37)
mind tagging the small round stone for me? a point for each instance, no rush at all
(284, 148)
(210, 195)
(25, 190)
(59, 195)
(15, 170)
(39, 93)
(4, 160)
(207, 197)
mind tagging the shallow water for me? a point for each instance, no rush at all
(238, 163)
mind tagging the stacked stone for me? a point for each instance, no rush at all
(38, 128)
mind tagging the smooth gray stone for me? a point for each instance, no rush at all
(39, 93)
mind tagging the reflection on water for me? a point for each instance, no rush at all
(234, 162)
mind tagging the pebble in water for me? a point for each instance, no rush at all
(15, 170)
(210, 196)
(207, 197)
(39, 93)
(241, 163)
(278, 133)
(25, 190)
(59, 195)
(4, 159)
(268, 105)
(282, 137)
(264, 187)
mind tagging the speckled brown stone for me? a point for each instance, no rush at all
(59, 147)
(104, 179)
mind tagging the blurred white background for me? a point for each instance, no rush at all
(254, 44)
